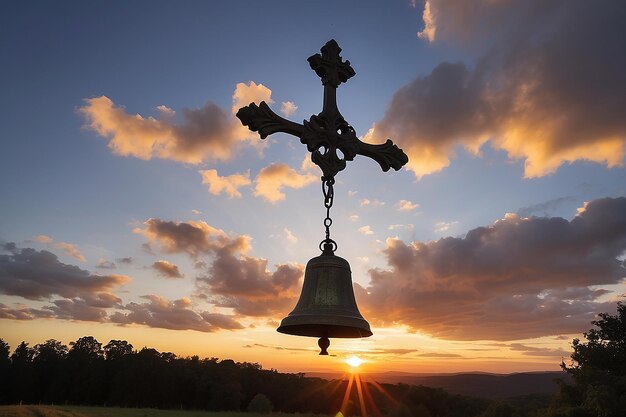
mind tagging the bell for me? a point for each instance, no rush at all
(326, 307)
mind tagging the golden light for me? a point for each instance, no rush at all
(354, 361)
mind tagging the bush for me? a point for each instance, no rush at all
(260, 404)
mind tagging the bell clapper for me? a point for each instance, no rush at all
(323, 343)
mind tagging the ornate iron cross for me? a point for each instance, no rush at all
(328, 132)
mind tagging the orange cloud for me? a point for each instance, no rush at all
(71, 250)
(245, 285)
(366, 230)
(37, 275)
(516, 279)
(205, 134)
(250, 93)
(43, 239)
(174, 315)
(287, 108)
(193, 237)
(229, 184)
(528, 93)
(430, 24)
(167, 269)
(406, 205)
(68, 248)
(271, 181)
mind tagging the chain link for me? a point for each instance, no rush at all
(329, 195)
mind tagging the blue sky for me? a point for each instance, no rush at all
(524, 122)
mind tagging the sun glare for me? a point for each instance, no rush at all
(354, 361)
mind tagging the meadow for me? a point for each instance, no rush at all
(76, 411)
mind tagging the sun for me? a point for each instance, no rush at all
(354, 361)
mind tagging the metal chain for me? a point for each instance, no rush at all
(329, 195)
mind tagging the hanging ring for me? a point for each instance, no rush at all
(328, 246)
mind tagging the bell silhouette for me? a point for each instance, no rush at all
(326, 307)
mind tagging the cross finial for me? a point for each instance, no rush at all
(329, 66)
(330, 139)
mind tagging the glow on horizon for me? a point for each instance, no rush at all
(297, 354)
(354, 361)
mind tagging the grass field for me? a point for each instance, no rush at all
(72, 411)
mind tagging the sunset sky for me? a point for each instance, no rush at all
(134, 205)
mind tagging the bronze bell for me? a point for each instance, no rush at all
(326, 307)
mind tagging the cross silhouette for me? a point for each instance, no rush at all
(330, 139)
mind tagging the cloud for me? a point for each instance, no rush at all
(291, 238)
(441, 227)
(174, 315)
(366, 230)
(38, 275)
(541, 89)
(538, 351)
(245, 285)
(401, 226)
(22, 312)
(546, 208)
(288, 108)
(250, 93)
(127, 260)
(271, 181)
(43, 239)
(104, 264)
(165, 111)
(71, 250)
(354, 217)
(308, 165)
(209, 133)
(406, 205)
(167, 269)
(68, 248)
(390, 351)
(192, 237)
(295, 349)
(430, 25)
(439, 355)
(76, 309)
(229, 184)
(371, 203)
(518, 278)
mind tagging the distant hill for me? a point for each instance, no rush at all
(485, 385)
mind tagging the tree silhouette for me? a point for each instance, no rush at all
(116, 375)
(84, 370)
(5, 368)
(116, 349)
(260, 404)
(598, 368)
(22, 374)
(48, 361)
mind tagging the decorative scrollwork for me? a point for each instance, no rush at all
(330, 139)
(263, 120)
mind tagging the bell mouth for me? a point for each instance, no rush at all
(332, 327)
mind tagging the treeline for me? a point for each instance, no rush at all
(88, 373)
